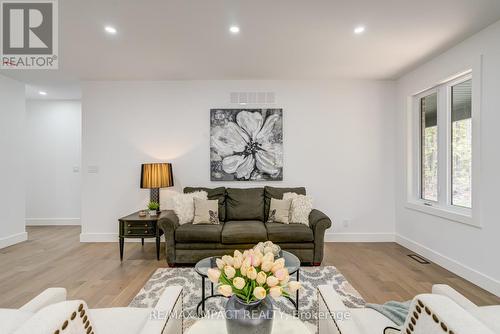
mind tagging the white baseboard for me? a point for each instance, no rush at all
(359, 237)
(488, 283)
(13, 239)
(110, 237)
(52, 221)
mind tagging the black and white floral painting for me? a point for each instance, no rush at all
(246, 144)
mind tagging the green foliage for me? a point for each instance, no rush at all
(153, 206)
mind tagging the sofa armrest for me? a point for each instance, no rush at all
(457, 297)
(168, 223)
(319, 223)
(48, 297)
(168, 220)
(166, 315)
(437, 314)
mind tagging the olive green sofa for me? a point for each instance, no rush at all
(242, 213)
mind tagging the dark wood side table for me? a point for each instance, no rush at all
(134, 226)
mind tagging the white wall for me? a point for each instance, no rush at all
(12, 172)
(471, 252)
(338, 142)
(54, 149)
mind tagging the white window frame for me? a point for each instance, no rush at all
(417, 107)
(443, 207)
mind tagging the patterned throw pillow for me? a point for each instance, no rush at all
(300, 209)
(279, 211)
(184, 205)
(206, 211)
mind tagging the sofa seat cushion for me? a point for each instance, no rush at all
(123, 320)
(240, 247)
(245, 204)
(244, 232)
(11, 319)
(277, 233)
(198, 233)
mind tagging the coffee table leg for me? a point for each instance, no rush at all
(203, 295)
(212, 286)
(297, 293)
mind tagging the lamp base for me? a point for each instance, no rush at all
(154, 195)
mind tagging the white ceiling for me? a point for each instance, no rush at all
(279, 39)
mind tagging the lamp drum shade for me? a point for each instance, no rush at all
(156, 175)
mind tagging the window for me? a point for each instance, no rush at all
(429, 147)
(461, 144)
(442, 168)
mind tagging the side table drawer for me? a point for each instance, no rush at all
(142, 231)
(139, 229)
(138, 225)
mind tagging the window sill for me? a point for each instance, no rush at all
(443, 213)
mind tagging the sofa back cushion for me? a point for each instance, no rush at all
(213, 193)
(272, 192)
(245, 204)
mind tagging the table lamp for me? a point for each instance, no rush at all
(155, 176)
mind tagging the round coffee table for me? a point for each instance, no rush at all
(218, 326)
(292, 263)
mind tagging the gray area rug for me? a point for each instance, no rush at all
(311, 278)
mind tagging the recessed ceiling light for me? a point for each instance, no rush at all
(359, 30)
(42, 93)
(234, 29)
(110, 30)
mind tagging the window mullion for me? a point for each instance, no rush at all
(443, 147)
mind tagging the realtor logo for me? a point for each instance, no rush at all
(29, 38)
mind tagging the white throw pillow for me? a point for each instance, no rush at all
(206, 211)
(279, 211)
(300, 209)
(184, 205)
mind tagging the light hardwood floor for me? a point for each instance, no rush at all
(53, 256)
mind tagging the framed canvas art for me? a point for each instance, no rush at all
(246, 144)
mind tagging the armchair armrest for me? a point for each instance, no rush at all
(334, 316)
(168, 223)
(457, 297)
(436, 314)
(166, 315)
(319, 223)
(48, 297)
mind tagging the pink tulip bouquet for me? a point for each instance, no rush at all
(252, 276)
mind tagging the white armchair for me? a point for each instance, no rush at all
(443, 311)
(50, 313)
